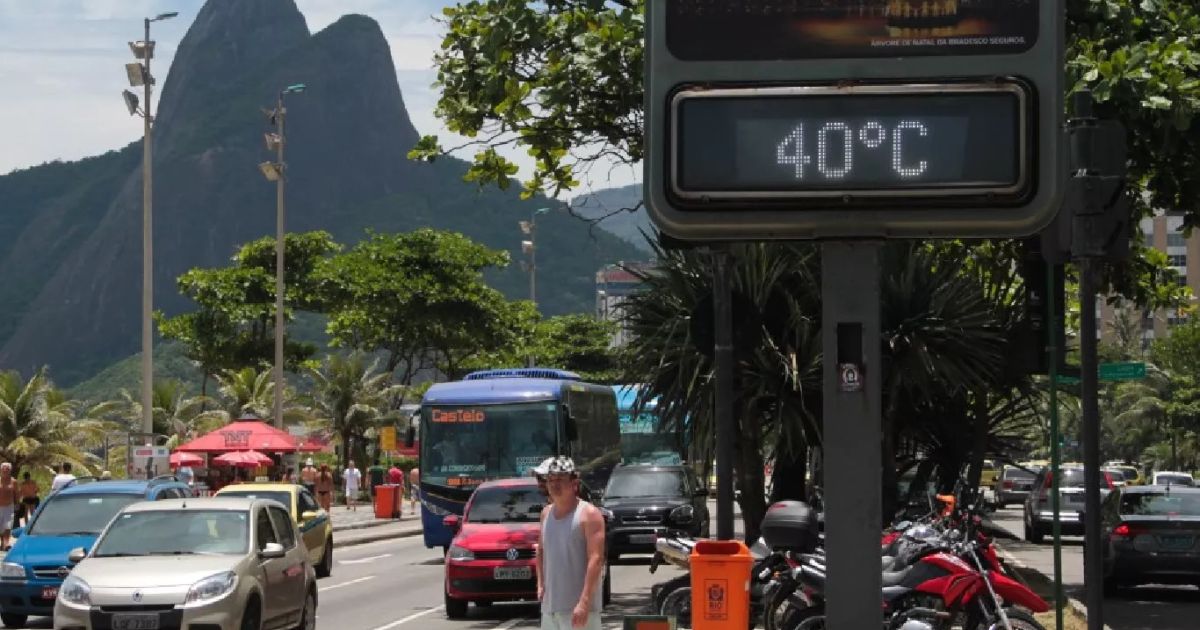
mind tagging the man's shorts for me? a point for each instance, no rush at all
(6, 518)
(562, 621)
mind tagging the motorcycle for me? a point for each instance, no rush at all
(673, 598)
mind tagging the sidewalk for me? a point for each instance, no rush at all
(357, 527)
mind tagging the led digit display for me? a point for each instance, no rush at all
(901, 141)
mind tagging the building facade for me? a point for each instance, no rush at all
(613, 284)
(1164, 233)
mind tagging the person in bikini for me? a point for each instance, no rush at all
(8, 503)
(29, 496)
(325, 488)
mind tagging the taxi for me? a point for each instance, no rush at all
(316, 528)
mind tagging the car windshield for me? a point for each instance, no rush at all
(499, 504)
(1175, 480)
(1017, 473)
(1160, 504)
(464, 445)
(1073, 478)
(176, 532)
(646, 483)
(284, 498)
(79, 514)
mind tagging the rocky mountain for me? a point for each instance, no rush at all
(72, 257)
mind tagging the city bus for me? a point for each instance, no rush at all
(642, 439)
(495, 424)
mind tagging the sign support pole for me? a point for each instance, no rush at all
(1093, 567)
(853, 431)
(724, 391)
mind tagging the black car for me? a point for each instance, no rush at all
(1152, 535)
(646, 501)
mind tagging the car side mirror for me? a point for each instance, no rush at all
(76, 555)
(452, 521)
(17, 531)
(272, 550)
(308, 516)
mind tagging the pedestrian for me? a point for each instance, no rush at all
(570, 552)
(308, 476)
(62, 478)
(351, 480)
(414, 486)
(186, 475)
(324, 488)
(395, 477)
(287, 476)
(8, 503)
(29, 496)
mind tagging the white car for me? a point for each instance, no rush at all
(1172, 478)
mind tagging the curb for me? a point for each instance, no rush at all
(366, 524)
(1073, 603)
(375, 537)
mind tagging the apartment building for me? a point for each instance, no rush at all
(1164, 233)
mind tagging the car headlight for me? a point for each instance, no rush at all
(683, 514)
(460, 553)
(75, 591)
(12, 570)
(211, 588)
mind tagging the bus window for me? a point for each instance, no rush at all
(464, 445)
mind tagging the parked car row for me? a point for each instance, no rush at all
(110, 554)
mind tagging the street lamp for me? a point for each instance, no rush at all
(139, 75)
(529, 248)
(274, 172)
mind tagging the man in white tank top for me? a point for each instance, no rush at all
(570, 552)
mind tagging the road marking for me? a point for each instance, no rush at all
(409, 618)
(367, 559)
(512, 622)
(354, 581)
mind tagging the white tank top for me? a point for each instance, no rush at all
(564, 561)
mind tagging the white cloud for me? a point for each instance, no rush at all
(61, 66)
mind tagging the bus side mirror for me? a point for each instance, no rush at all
(410, 436)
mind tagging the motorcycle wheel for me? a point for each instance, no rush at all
(678, 604)
(1019, 619)
(811, 618)
(782, 604)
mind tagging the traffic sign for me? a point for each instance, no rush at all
(387, 438)
(769, 120)
(1130, 371)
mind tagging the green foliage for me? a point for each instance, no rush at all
(551, 77)
(350, 397)
(579, 343)
(419, 297)
(40, 428)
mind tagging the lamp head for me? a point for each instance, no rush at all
(269, 171)
(131, 101)
(295, 88)
(136, 73)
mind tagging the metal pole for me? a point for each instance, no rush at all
(853, 431)
(723, 372)
(1093, 568)
(1055, 455)
(279, 269)
(533, 259)
(147, 251)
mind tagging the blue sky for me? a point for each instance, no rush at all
(61, 68)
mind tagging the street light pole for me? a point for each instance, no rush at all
(139, 74)
(276, 172)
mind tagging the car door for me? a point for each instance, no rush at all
(274, 570)
(294, 569)
(312, 529)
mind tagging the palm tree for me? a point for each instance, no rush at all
(182, 417)
(350, 397)
(38, 427)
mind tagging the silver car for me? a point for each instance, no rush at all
(1013, 486)
(227, 563)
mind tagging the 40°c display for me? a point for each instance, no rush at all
(825, 142)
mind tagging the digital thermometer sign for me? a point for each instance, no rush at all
(822, 142)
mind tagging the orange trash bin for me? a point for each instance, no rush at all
(720, 585)
(385, 500)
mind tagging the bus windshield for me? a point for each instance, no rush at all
(463, 445)
(642, 442)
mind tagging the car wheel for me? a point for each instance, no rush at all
(678, 604)
(325, 569)
(308, 616)
(613, 556)
(251, 619)
(455, 608)
(13, 620)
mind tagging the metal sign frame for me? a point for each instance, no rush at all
(1041, 66)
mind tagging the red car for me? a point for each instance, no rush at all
(491, 557)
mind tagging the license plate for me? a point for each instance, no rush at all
(1175, 543)
(49, 592)
(1072, 498)
(135, 622)
(509, 573)
(642, 539)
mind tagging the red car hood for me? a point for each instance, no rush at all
(497, 535)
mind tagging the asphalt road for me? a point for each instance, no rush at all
(397, 585)
(1143, 608)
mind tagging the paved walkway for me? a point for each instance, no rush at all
(364, 516)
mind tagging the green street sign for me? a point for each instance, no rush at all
(1130, 371)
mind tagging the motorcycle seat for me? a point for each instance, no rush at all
(895, 578)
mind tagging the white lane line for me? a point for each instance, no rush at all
(408, 618)
(340, 585)
(364, 560)
(512, 622)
